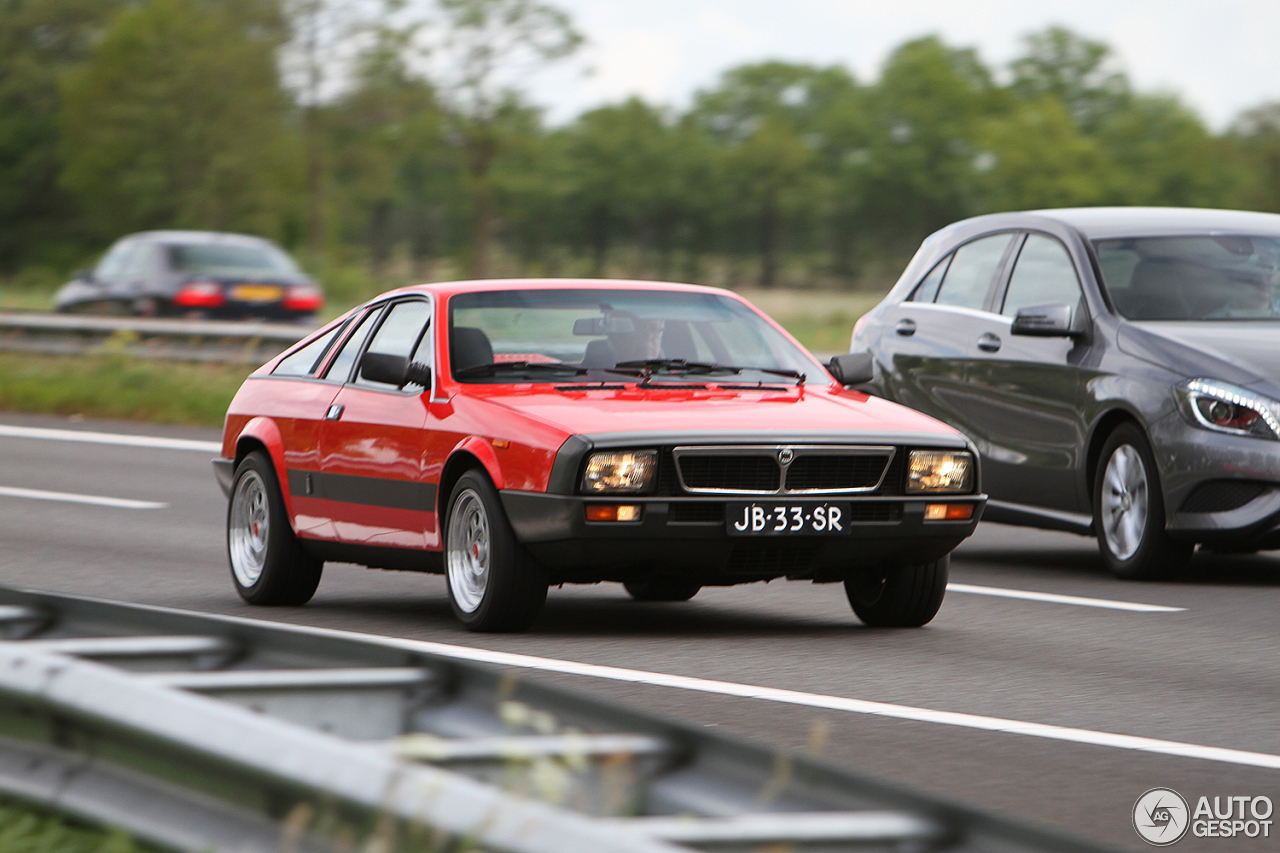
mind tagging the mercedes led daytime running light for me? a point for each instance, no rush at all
(619, 472)
(939, 471)
(1222, 407)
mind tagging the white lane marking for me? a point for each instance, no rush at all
(68, 497)
(110, 438)
(1054, 598)
(1089, 737)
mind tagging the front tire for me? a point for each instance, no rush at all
(268, 564)
(661, 589)
(1128, 511)
(899, 598)
(494, 585)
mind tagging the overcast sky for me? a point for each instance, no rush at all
(1220, 57)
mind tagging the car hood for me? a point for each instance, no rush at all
(1241, 352)
(805, 413)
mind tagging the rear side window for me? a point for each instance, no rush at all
(927, 290)
(340, 368)
(1043, 273)
(972, 270)
(304, 361)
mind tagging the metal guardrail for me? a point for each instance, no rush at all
(174, 340)
(198, 732)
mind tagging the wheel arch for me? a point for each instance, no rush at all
(263, 434)
(1098, 435)
(469, 454)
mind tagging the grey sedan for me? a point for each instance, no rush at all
(1117, 368)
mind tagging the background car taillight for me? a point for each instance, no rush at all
(303, 297)
(200, 294)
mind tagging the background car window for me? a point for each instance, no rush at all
(232, 260)
(972, 270)
(340, 368)
(141, 262)
(306, 360)
(399, 334)
(114, 262)
(1043, 273)
(927, 290)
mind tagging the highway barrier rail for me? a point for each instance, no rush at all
(197, 732)
(248, 343)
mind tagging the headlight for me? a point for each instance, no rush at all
(939, 471)
(619, 472)
(1228, 408)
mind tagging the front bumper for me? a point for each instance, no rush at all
(688, 537)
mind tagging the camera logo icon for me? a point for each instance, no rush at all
(1161, 816)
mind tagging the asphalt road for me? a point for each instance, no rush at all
(1207, 675)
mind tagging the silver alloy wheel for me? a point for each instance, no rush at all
(468, 551)
(248, 527)
(1124, 501)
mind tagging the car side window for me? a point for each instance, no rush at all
(401, 331)
(115, 261)
(972, 270)
(340, 368)
(304, 361)
(927, 290)
(1043, 273)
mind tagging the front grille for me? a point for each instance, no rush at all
(1222, 495)
(689, 512)
(770, 558)
(835, 472)
(731, 472)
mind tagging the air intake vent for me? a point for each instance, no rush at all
(1222, 495)
(730, 472)
(835, 473)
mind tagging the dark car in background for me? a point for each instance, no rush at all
(202, 274)
(1117, 368)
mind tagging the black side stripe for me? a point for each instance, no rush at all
(372, 491)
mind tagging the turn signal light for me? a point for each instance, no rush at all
(613, 512)
(948, 512)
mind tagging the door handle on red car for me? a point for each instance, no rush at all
(335, 412)
(906, 327)
(988, 342)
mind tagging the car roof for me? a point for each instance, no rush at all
(449, 288)
(1103, 223)
(175, 236)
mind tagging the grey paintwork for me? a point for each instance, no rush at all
(1040, 410)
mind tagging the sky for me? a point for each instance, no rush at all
(1220, 57)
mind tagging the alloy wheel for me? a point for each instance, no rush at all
(1124, 502)
(469, 544)
(249, 529)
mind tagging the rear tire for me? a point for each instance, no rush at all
(1128, 511)
(661, 589)
(899, 598)
(494, 585)
(268, 564)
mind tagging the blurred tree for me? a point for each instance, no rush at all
(1073, 70)
(488, 49)
(178, 120)
(1255, 136)
(39, 41)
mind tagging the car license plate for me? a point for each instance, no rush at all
(786, 519)
(256, 293)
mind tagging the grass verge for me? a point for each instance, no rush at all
(24, 830)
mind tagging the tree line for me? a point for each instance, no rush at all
(396, 137)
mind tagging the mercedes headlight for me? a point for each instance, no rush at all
(619, 472)
(1223, 407)
(939, 471)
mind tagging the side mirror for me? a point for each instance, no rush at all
(1047, 320)
(394, 370)
(852, 368)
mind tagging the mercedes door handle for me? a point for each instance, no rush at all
(988, 342)
(906, 328)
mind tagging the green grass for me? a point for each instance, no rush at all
(23, 830)
(118, 387)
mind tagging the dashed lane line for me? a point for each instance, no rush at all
(1054, 598)
(69, 497)
(153, 441)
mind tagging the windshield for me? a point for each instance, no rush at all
(231, 260)
(594, 335)
(1218, 277)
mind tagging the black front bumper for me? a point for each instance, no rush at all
(688, 537)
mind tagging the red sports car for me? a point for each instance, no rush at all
(518, 434)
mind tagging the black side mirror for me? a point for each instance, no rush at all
(1047, 320)
(394, 370)
(852, 368)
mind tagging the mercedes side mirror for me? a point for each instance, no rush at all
(852, 368)
(394, 370)
(1047, 320)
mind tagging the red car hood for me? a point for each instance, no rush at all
(631, 409)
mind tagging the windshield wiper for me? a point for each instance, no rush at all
(680, 365)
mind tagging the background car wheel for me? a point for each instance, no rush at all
(899, 598)
(268, 564)
(661, 589)
(1128, 511)
(494, 585)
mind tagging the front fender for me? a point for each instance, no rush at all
(481, 449)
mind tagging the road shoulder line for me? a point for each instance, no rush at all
(1055, 598)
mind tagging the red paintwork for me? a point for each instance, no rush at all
(412, 438)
